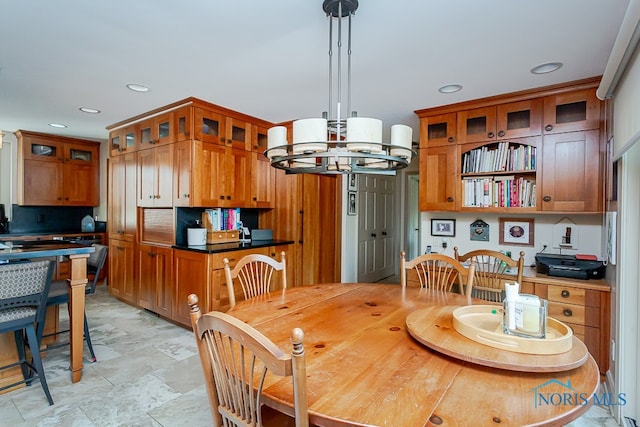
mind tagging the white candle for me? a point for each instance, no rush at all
(309, 135)
(401, 136)
(364, 134)
(276, 137)
(528, 313)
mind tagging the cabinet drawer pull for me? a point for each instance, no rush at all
(449, 199)
(547, 198)
(567, 312)
(548, 128)
(565, 293)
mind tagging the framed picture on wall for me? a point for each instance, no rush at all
(516, 231)
(443, 227)
(351, 203)
(353, 182)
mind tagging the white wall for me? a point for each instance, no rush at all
(587, 230)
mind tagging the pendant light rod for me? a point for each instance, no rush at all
(335, 144)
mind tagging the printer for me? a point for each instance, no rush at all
(569, 266)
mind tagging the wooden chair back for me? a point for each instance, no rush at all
(236, 359)
(439, 272)
(254, 273)
(491, 272)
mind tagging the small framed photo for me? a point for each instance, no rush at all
(353, 182)
(352, 203)
(443, 227)
(516, 231)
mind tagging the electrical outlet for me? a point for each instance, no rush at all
(445, 243)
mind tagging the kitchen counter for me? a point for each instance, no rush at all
(233, 246)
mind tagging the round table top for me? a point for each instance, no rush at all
(364, 368)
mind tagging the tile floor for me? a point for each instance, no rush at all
(148, 374)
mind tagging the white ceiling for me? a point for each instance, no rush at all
(269, 58)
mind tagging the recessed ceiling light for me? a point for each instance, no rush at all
(547, 67)
(138, 88)
(89, 110)
(57, 125)
(450, 88)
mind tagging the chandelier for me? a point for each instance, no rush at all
(333, 144)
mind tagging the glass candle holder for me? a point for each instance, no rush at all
(525, 317)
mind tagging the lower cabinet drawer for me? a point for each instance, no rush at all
(566, 295)
(567, 313)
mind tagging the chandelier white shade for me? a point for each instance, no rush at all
(334, 145)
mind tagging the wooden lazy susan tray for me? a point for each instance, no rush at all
(479, 339)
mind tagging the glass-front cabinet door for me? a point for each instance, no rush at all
(208, 125)
(81, 154)
(237, 134)
(43, 150)
(438, 130)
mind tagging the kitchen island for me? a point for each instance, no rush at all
(77, 255)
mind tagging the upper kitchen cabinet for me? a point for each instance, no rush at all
(122, 140)
(498, 122)
(155, 177)
(57, 171)
(573, 111)
(438, 130)
(220, 128)
(572, 172)
(165, 128)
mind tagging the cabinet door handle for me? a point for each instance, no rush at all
(228, 197)
(491, 135)
(451, 139)
(384, 233)
(186, 196)
(547, 198)
(255, 199)
(449, 199)
(501, 133)
(374, 235)
(222, 197)
(565, 293)
(548, 128)
(567, 312)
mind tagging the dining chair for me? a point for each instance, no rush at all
(59, 294)
(437, 271)
(236, 359)
(254, 273)
(491, 272)
(23, 293)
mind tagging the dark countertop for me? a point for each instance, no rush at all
(233, 246)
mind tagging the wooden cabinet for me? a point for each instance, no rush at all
(155, 279)
(584, 307)
(122, 197)
(57, 171)
(571, 172)
(216, 127)
(438, 130)
(306, 207)
(510, 120)
(555, 129)
(122, 278)
(155, 177)
(263, 177)
(122, 140)
(211, 175)
(572, 111)
(191, 276)
(438, 179)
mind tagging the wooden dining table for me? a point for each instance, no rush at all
(77, 255)
(365, 369)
